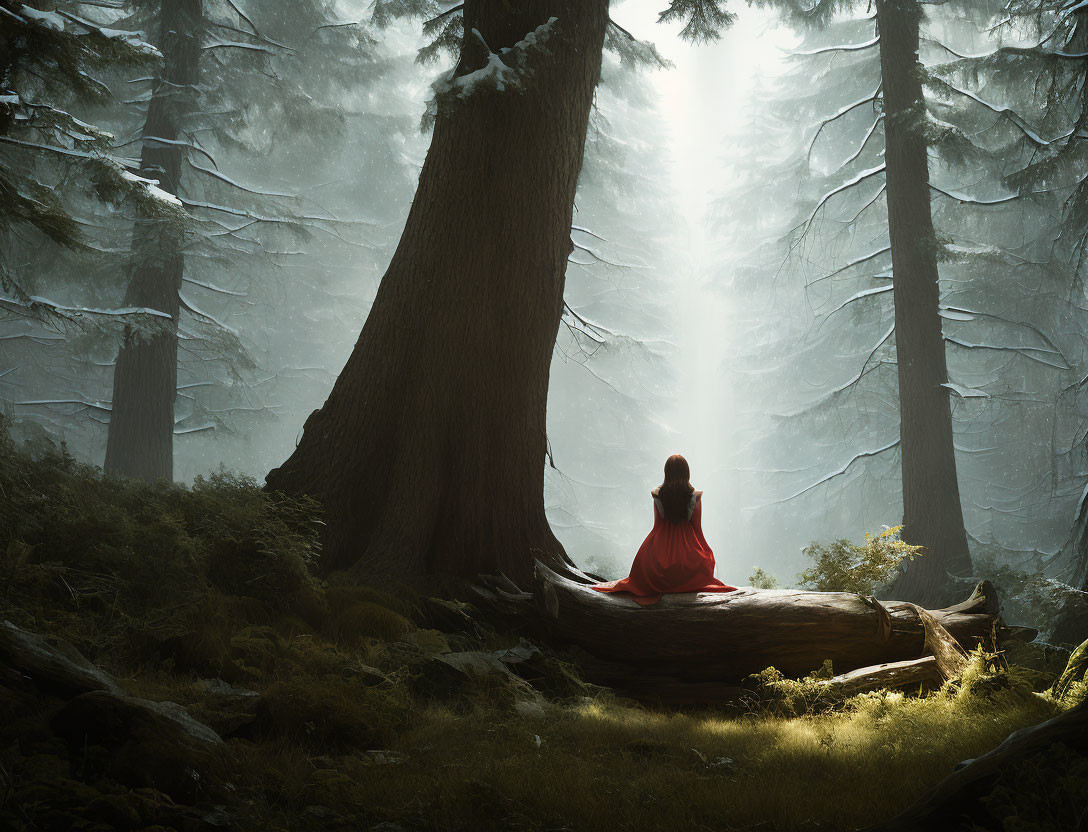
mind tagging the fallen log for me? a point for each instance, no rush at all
(722, 638)
(891, 675)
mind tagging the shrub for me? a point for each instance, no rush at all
(334, 713)
(776, 695)
(155, 569)
(762, 580)
(845, 567)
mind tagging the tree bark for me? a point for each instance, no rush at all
(932, 515)
(890, 675)
(715, 639)
(141, 431)
(428, 455)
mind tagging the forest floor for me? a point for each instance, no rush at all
(342, 707)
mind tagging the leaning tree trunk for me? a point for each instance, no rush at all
(932, 516)
(962, 801)
(428, 455)
(141, 431)
(700, 647)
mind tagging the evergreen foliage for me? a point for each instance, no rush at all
(843, 566)
(49, 64)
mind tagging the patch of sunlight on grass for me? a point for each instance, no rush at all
(611, 765)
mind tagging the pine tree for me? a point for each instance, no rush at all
(141, 428)
(283, 90)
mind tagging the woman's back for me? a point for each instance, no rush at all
(675, 556)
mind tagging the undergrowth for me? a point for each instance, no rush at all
(183, 593)
(842, 566)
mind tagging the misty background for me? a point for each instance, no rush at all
(696, 323)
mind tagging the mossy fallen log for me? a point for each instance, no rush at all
(695, 639)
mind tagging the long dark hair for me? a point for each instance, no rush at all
(675, 492)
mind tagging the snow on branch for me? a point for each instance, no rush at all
(843, 388)
(502, 69)
(588, 231)
(839, 114)
(159, 140)
(857, 261)
(958, 313)
(151, 187)
(211, 287)
(187, 305)
(600, 259)
(964, 199)
(1006, 113)
(237, 44)
(857, 180)
(222, 177)
(257, 33)
(864, 293)
(848, 47)
(197, 429)
(853, 157)
(130, 39)
(966, 392)
(292, 219)
(1037, 354)
(83, 404)
(594, 331)
(1035, 50)
(836, 473)
(34, 306)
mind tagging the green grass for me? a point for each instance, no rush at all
(168, 587)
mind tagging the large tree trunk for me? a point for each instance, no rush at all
(141, 431)
(693, 647)
(428, 455)
(932, 516)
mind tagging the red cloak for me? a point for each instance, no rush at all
(674, 557)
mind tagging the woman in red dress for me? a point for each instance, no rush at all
(675, 556)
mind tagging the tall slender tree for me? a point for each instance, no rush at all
(141, 428)
(932, 514)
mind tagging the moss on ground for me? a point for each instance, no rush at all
(203, 595)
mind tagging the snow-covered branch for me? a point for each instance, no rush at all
(846, 47)
(836, 473)
(839, 114)
(851, 183)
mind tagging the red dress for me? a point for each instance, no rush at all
(674, 557)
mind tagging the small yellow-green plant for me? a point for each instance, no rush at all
(843, 566)
(774, 694)
(759, 579)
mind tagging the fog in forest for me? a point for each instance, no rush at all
(724, 299)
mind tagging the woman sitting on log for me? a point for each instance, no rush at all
(675, 556)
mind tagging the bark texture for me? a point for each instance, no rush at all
(428, 455)
(713, 640)
(909, 673)
(932, 516)
(141, 432)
